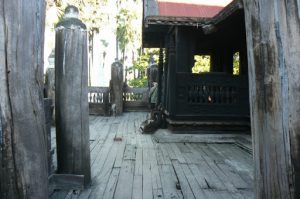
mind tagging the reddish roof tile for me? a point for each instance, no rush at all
(187, 10)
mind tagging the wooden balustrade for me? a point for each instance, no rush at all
(212, 95)
(99, 102)
(134, 99)
(97, 94)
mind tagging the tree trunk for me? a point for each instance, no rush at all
(273, 39)
(23, 149)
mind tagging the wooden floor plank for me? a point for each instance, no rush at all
(169, 181)
(59, 195)
(155, 176)
(178, 154)
(184, 185)
(165, 154)
(137, 190)
(183, 147)
(242, 168)
(85, 194)
(101, 180)
(103, 153)
(112, 183)
(138, 170)
(147, 180)
(138, 167)
(211, 160)
(129, 153)
(96, 149)
(200, 176)
(125, 182)
(233, 177)
(195, 187)
(159, 155)
(120, 154)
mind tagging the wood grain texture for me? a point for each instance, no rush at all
(71, 102)
(116, 86)
(138, 167)
(66, 182)
(23, 149)
(273, 37)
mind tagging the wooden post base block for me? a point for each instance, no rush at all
(66, 182)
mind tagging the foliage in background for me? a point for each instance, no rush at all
(236, 63)
(91, 12)
(128, 28)
(141, 64)
(202, 64)
(139, 82)
(126, 33)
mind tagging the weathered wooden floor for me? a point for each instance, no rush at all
(140, 168)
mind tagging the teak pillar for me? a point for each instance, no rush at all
(165, 75)
(273, 38)
(185, 50)
(116, 86)
(71, 96)
(171, 100)
(160, 79)
(23, 148)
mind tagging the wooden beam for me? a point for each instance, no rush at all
(209, 29)
(23, 148)
(273, 38)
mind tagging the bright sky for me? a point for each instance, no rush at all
(202, 2)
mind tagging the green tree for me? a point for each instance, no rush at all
(127, 32)
(202, 64)
(141, 65)
(236, 63)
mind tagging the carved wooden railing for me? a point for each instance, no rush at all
(98, 98)
(212, 95)
(135, 99)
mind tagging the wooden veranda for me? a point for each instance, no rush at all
(163, 165)
(272, 37)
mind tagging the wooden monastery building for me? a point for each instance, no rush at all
(184, 30)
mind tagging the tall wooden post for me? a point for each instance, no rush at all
(50, 88)
(165, 75)
(50, 83)
(227, 60)
(23, 149)
(116, 84)
(185, 49)
(160, 73)
(172, 77)
(273, 38)
(48, 108)
(216, 62)
(71, 96)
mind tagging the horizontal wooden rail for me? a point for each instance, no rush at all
(134, 99)
(212, 95)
